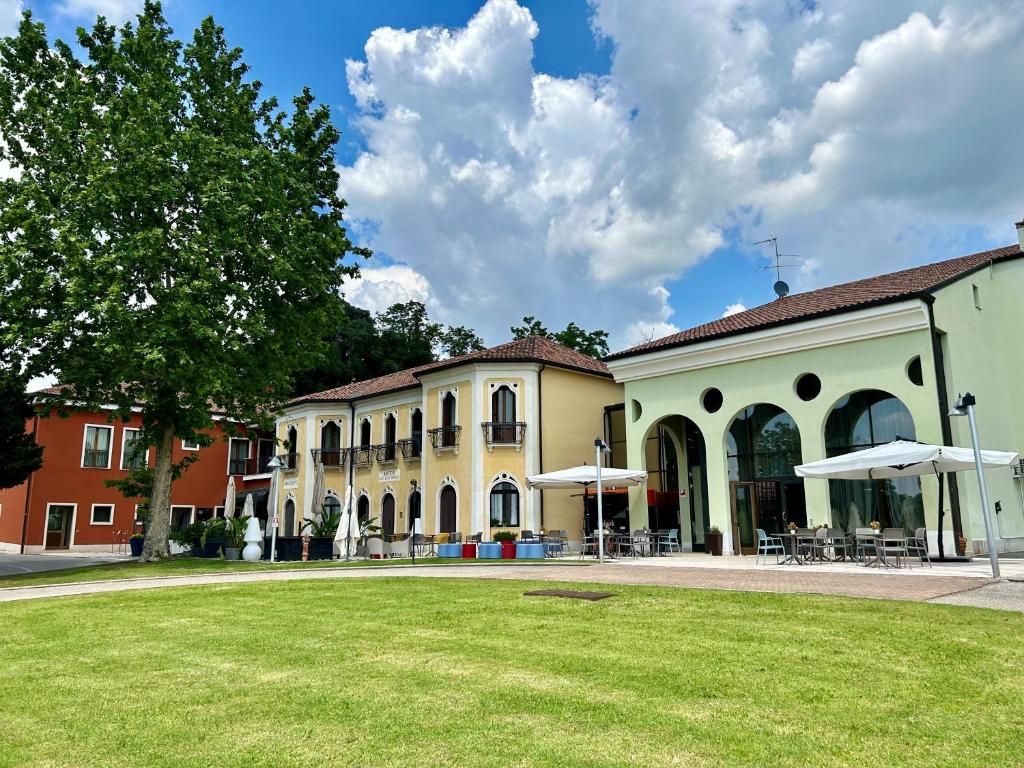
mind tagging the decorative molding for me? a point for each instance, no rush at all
(874, 322)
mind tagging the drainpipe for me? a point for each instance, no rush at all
(540, 433)
(944, 423)
(28, 491)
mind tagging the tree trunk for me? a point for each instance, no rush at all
(156, 547)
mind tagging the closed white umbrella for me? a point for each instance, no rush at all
(316, 501)
(229, 498)
(347, 535)
(248, 510)
(901, 458)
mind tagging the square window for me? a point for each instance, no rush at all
(102, 514)
(189, 445)
(238, 456)
(96, 446)
(133, 453)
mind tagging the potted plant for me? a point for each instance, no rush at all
(321, 532)
(234, 536)
(507, 539)
(135, 542)
(715, 541)
(212, 540)
(188, 537)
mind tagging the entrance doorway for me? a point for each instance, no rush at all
(745, 518)
(449, 510)
(59, 519)
(387, 515)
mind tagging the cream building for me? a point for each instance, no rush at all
(450, 443)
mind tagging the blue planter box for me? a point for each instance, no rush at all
(529, 551)
(489, 551)
(449, 550)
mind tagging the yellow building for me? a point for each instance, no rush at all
(450, 443)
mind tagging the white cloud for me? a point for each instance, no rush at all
(115, 11)
(10, 16)
(377, 288)
(869, 135)
(734, 309)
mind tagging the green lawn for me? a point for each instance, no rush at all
(184, 566)
(414, 672)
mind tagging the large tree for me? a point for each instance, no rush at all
(170, 240)
(20, 455)
(593, 343)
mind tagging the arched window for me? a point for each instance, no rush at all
(503, 416)
(449, 510)
(387, 514)
(330, 444)
(363, 509)
(449, 420)
(364, 433)
(332, 506)
(863, 420)
(390, 449)
(289, 517)
(292, 448)
(416, 432)
(504, 506)
(415, 505)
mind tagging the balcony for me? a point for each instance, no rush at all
(289, 461)
(411, 448)
(387, 453)
(334, 457)
(504, 433)
(362, 457)
(445, 438)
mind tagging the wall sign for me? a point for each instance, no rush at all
(389, 476)
(291, 482)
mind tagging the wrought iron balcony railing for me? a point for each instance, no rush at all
(411, 448)
(386, 453)
(289, 461)
(445, 438)
(334, 457)
(504, 433)
(362, 456)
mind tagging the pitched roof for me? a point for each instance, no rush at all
(847, 297)
(532, 349)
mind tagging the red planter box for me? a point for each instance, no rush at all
(468, 551)
(508, 550)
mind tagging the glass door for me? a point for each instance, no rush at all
(58, 526)
(744, 516)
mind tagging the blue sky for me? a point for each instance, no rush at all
(612, 163)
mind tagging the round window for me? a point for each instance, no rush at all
(808, 387)
(914, 372)
(712, 400)
(638, 410)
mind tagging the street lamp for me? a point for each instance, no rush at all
(965, 407)
(599, 448)
(413, 511)
(274, 465)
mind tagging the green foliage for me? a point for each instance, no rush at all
(458, 340)
(168, 239)
(213, 529)
(325, 527)
(593, 343)
(187, 535)
(138, 483)
(234, 531)
(20, 455)
(504, 536)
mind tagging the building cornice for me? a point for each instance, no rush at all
(873, 322)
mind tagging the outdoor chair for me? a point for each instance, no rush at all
(769, 545)
(638, 543)
(423, 545)
(563, 541)
(455, 538)
(588, 545)
(476, 538)
(830, 539)
(864, 540)
(805, 542)
(893, 544)
(375, 548)
(528, 537)
(399, 547)
(671, 541)
(917, 545)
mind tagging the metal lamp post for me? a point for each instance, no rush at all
(965, 407)
(274, 465)
(599, 448)
(412, 522)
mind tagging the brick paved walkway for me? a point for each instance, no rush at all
(888, 586)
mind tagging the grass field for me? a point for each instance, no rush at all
(185, 566)
(411, 672)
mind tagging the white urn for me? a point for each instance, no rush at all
(253, 538)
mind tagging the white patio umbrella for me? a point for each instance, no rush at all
(904, 458)
(316, 499)
(229, 498)
(347, 535)
(248, 510)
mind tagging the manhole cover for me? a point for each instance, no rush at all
(592, 596)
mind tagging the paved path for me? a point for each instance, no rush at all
(889, 586)
(1002, 595)
(12, 564)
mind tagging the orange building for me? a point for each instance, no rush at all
(66, 503)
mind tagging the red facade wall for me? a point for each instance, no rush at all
(63, 480)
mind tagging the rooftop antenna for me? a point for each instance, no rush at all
(781, 287)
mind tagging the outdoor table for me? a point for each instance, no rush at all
(793, 554)
(489, 550)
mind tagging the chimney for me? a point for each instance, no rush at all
(1020, 233)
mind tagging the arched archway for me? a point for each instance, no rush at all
(674, 456)
(289, 517)
(860, 420)
(449, 510)
(387, 514)
(363, 509)
(762, 447)
(415, 510)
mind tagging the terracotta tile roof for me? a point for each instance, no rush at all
(847, 297)
(532, 349)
